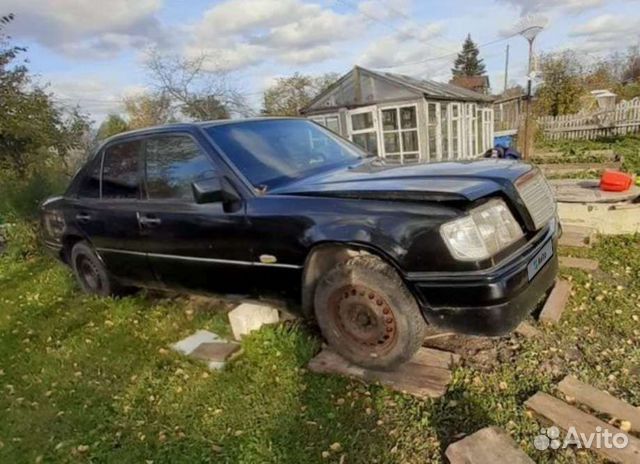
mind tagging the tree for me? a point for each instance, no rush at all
(562, 84)
(148, 110)
(197, 88)
(290, 94)
(467, 62)
(112, 125)
(32, 128)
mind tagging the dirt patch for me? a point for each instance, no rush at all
(482, 353)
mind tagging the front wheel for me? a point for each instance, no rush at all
(367, 314)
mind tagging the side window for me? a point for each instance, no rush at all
(120, 170)
(173, 163)
(90, 183)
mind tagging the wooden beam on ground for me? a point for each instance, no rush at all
(489, 445)
(566, 416)
(555, 304)
(600, 401)
(526, 330)
(426, 375)
(588, 265)
(577, 236)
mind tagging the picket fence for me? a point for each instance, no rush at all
(624, 118)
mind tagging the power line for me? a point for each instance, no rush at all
(388, 24)
(435, 58)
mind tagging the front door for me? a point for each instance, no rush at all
(362, 125)
(189, 245)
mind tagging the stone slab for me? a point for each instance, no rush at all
(189, 344)
(487, 446)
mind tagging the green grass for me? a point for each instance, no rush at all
(91, 380)
(590, 151)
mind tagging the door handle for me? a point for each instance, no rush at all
(147, 221)
(83, 217)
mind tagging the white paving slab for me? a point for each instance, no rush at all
(248, 317)
(187, 345)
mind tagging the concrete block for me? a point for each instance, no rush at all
(216, 354)
(189, 344)
(248, 317)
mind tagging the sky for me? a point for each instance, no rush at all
(92, 53)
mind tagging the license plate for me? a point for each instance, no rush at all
(540, 259)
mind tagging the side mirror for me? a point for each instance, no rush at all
(208, 190)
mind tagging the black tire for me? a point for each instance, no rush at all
(368, 315)
(91, 274)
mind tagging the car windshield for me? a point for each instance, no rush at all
(274, 152)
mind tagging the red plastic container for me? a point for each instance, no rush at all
(615, 181)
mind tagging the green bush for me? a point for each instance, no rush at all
(20, 198)
(21, 239)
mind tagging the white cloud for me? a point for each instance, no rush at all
(239, 33)
(544, 6)
(83, 27)
(409, 45)
(605, 32)
(96, 94)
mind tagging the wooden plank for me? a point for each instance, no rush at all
(487, 446)
(583, 264)
(526, 330)
(600, 401)
(576, 236)
(555, 304)
(565, 417)
(424, 376)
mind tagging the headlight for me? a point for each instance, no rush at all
(483, 233)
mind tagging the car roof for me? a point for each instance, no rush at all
(190, 125)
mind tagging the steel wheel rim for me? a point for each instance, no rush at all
(364, 316)
(89, 274)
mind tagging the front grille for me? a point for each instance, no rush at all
(538, 197)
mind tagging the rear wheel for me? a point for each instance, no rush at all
(367, 314)
(90, 272)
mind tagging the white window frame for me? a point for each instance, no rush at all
(435, 126)
(445, 127)
(322, 120)
(375, 129)
(471, 130)
(487, 128)
(399, 130)
(450, 123)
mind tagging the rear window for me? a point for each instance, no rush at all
(120, 177)
(90, 182)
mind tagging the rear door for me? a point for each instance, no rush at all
(190, 245)
(105, 210)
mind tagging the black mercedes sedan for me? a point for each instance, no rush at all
(376, 251)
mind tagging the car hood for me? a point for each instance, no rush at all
(445, 181)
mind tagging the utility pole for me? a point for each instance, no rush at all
(506, 68)
(529, 28)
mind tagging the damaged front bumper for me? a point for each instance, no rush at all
(490, 302)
